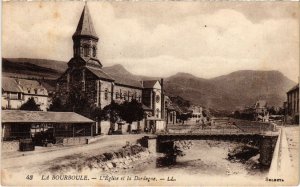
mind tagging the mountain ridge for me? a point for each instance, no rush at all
(226, 92)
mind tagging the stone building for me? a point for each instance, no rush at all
(16, 92)
(85, 74)
(293, 105)
(170, 111)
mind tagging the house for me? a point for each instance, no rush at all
(292, 114)
(261, 111)
(16, 92)
(196, 115)
(170, 111)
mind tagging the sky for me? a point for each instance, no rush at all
(206, 39)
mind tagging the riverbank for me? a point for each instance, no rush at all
(109, 162)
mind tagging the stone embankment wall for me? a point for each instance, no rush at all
(10, 146)
(123, 158)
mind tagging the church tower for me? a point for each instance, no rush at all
(85, 42)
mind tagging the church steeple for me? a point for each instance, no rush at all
(85, 41)
(85, 27)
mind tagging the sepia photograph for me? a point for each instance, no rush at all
(150, 93)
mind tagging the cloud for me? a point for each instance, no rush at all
(204, 39)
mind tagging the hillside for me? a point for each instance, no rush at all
(226, 92)
(230, 91)
(33, 68)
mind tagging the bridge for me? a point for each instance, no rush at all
(263, 136)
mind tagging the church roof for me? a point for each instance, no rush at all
(149, 83)
(99, 73)
(85, 26)
(119, 79)
(294, 88)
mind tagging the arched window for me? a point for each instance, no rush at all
(94, 51)
(157, 112)
(86, 51)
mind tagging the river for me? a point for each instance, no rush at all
(203, 159)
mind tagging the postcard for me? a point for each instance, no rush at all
(150, 93)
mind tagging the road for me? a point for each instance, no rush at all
(38, 160)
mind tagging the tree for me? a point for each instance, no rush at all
(78, 102)
(132, 111)
(184, 117)
(111, 112)
(31, 105)
(56, 105)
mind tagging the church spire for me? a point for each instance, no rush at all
(85, 42)
(85, 27)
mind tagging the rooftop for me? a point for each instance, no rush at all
(22, 116)
(294, 88)
(149, 83)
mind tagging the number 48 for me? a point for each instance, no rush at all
(29, 177)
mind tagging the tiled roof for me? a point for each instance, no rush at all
(99, 73)
(23, 86)
(22, 116)
(29, 86)
(294, 88)
(10, 85)
(149, 83)
(126, 81)
(85, 26)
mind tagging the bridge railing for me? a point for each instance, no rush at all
(230, 129)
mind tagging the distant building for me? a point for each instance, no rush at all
(197, 115)
(170, 112)
(293, 104)
(16, 92)
(261, 110)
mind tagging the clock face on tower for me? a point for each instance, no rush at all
(157, 98)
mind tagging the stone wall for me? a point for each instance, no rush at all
(105, 93)
(10, 146)
(75, 141)
(266, 148)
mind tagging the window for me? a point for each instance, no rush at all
(106, 94)
(19, 96)
(94, 51)
(157, 113)
(35, 91)
(86, 51)
(117, 95)
(83, 86)
(121, 95)
(125, 96)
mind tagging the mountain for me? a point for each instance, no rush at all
(33, 68)
(226, 92)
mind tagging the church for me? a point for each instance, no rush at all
(85, 74)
